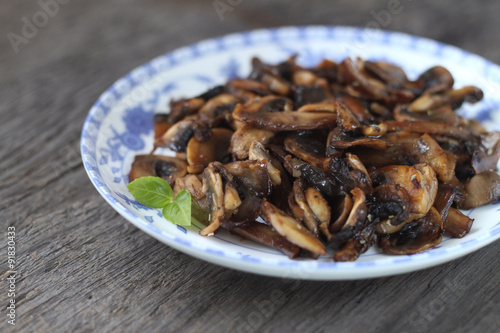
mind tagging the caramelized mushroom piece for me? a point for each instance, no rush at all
(435, 79)
(486, 159)
(192, 183)
(389, 208)
(415, 236)
(431, 128)
(482, 189)
(263, 234)
(419, 181)
(306, 148)
(292, 230)
(320, 208)
(343, 209)
(457, 224)
(168, 168)
(455, 98)
(215, 200)
(217, 105)
(356, 246)
(243, 138)
(259, 153)
(161, 124)
(176, 138)
(390, 74)
(358, 213)
(200, 154)
(352, 73)
(309, 219)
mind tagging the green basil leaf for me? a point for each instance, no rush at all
(151, 191)
(179, 210)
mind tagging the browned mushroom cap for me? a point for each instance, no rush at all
(253, 175)
(345, 118)
(177, 137)
(419, 181)
(259, 153)
(357, 106)
(486, 159)
(306, 148)
(457, 224)
(168, 168)
(390, 74)
(309, 219)
(263, 234)
(455, 98)
(482, 189)
(243, 138)
(243, 88)
(415, 236)
(446, 195)
(200, 154)
(232, 199)
(292, 230)
(435, 79)
(215, 200)
(342, 212)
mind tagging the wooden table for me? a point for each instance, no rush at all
(83, 268)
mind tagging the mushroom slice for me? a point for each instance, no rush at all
(248, 85)
(310, 220)
(179, 109)
(306, 148)
(231, 199)
(345, 118)
(259, 153)
(457, 224)
(200, 154)
(426, 150)
(266, 75)
(356, 246)
(389, 208)
(168, 168)
(359, 174)
(357, 106)
(215, 200)
(352, 73)
(339, 140)
(415, 236)
(177, 137)
(482, 189)
(309, 94)
(215, 106)
(292, 230)
(442, 114)
(285, 120)
(192, 184)
(320, 208)
(358, 214)
(343, 209)
(161, 124)
(486, 159)
(431, 128)
(253, 175)
(419, 181)
(243, 138)
(455, 98)
(263, 234)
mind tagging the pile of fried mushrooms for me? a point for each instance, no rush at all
(337, 157)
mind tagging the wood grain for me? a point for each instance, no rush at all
(83, 268)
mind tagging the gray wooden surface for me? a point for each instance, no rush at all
(84, 268)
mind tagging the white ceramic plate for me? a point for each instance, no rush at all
(119, 126)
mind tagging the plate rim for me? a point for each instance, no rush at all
(319, 270)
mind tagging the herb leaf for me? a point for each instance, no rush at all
(151, 191)
(179, 210)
